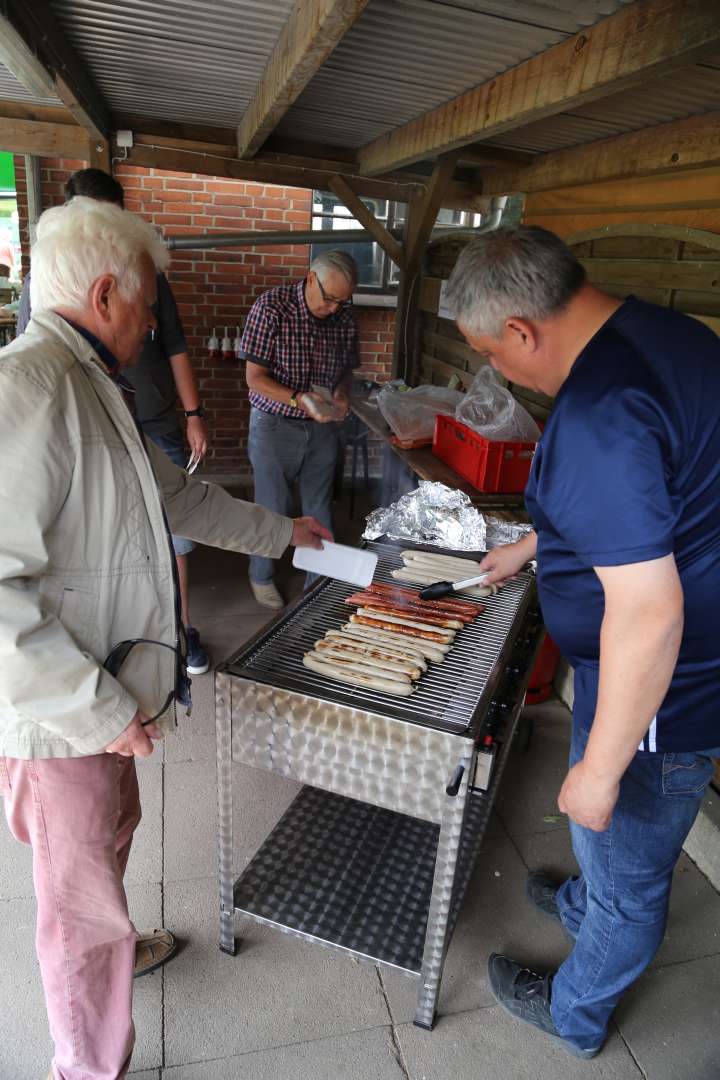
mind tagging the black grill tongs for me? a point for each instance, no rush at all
(445, 588)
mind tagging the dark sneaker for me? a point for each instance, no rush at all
(542, 892)
(526, 996)
(197, 660)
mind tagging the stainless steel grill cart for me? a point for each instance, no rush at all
(374, 855)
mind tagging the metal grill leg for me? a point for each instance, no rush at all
(436, 937)
(223, 728)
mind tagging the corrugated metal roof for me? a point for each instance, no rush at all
(12, 90)
(182, 61)
(403, 57)
(687, 92)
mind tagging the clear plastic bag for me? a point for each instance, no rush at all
(491, 410)
(411, 413)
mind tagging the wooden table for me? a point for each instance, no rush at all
(428, 467)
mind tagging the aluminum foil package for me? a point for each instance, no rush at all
(504, 532)
(432, 514)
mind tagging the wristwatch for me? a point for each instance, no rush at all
(294, 400)
(195, 412)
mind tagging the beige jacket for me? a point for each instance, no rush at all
(84, 557)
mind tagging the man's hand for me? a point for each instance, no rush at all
(341, 402)
(506, 561)
(316, 407)
(196, 435)
(135, 741)
(307, 532)
(588, 799)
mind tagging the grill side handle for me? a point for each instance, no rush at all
(455, 781)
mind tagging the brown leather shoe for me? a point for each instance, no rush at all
(153, 948)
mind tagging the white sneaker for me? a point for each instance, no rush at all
(267, 595)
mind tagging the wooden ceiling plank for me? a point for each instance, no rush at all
(73, 84)
(313, 29)
(459, 196)
(340, 187)
(639, 42)
(679, 145)
(43, 139)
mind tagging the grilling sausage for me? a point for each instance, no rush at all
(345, 674)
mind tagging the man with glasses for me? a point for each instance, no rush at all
(299, 344)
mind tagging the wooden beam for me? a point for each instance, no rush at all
(98, 154)
(639, 42)
(44, 140)
(679, 145)
(340, 187)
(22, 61)
(72, 82)
(310, 34)
(48, 114)
(427, 212)
(458, 196)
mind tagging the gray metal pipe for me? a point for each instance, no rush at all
(266, 237)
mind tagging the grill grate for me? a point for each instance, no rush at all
(448, 696)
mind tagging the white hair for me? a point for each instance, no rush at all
(81, 241)
(337, 262)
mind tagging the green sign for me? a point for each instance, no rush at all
(7, 172)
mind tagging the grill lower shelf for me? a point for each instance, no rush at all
(346, 874)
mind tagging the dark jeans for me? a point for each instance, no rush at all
(617, 908)
(283, 451)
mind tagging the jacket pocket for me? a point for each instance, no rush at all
(78, 614)
(686, 774)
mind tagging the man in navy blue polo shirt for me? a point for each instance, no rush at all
(625, 498)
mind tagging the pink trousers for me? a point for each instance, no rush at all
(79, 815)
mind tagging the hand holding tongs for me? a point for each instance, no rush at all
(444, 588)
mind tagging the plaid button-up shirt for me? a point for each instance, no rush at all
(298, 349)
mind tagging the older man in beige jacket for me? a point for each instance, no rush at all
(91, 656)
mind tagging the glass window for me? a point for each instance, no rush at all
(377, 273)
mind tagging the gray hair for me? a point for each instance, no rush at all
(525, 272)
(81, 241)
(337, 262)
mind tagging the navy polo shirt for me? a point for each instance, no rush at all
(628, 470)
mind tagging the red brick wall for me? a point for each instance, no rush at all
(215, 289)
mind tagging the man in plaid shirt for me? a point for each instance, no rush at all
(298, 337)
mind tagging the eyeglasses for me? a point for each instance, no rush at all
(332, 299)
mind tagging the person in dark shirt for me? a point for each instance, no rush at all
(624, 494)
(163, 374)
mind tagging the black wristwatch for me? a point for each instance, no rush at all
(195, 412)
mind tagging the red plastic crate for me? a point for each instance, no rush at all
(491, 465)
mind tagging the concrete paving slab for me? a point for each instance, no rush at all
(670, 1021)
(223, 635)
(259, 798)
(490, 1044)
(146, 1074)
(694, 921)
(15, 866)
(145, 862)
(362, 1055)
(495, 918)
(527, 801)
(276, 991)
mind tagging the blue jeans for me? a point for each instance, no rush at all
(284, 451)
(617, 908)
